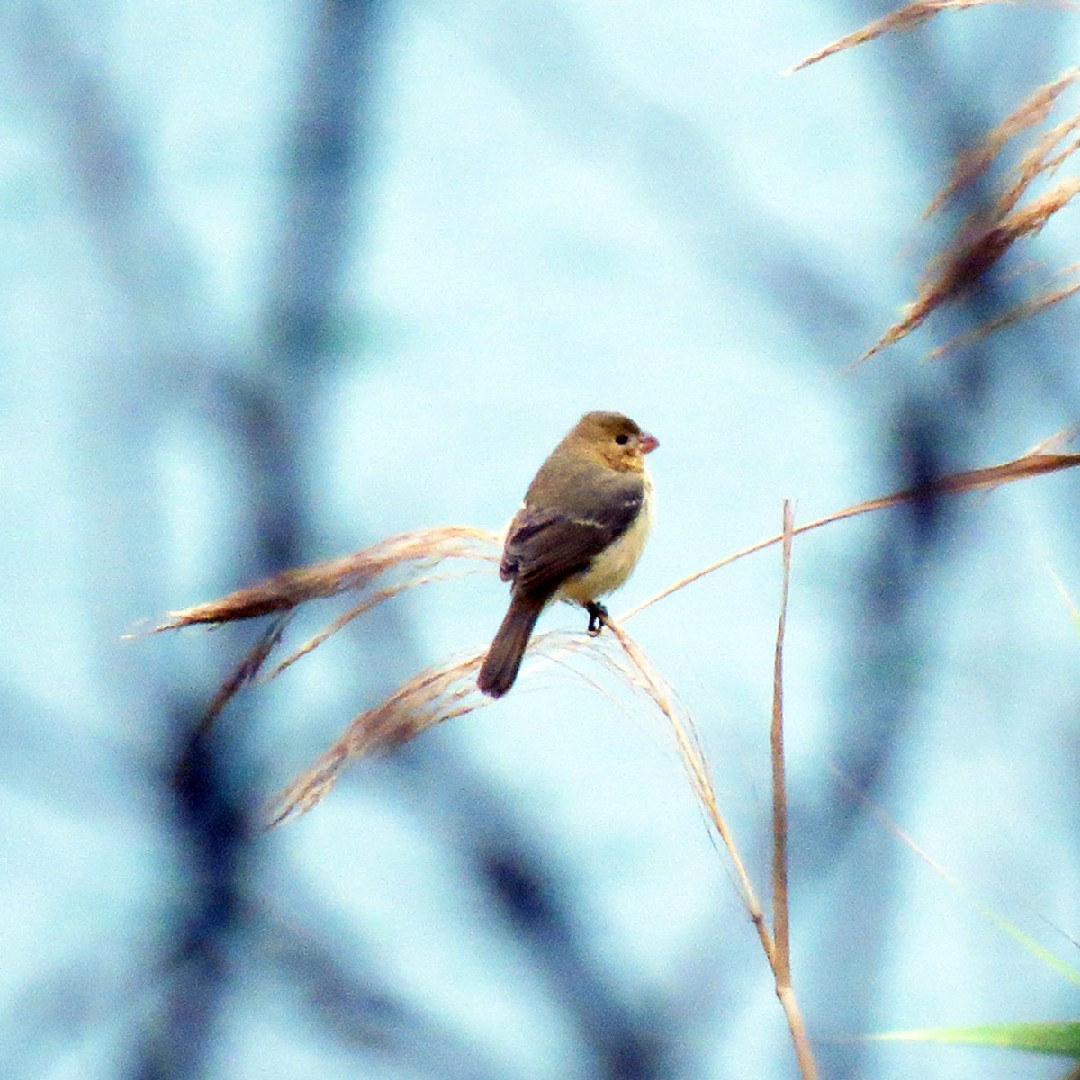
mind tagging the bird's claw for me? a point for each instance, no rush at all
(597, 617)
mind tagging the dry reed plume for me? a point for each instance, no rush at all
(1035, 110)
(413, 552)
(989, 233)
(964, 265)
(448, 690)
(900, 21)
(436, 694)
(394, 565)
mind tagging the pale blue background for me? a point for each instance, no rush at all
(541, 208)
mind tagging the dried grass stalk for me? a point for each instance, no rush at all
(371, 600)
(900, 21)
(644, 675)
(1027, 310)
(413, 552)
(409, 555)
(434, 695)
(1033, 463)
(449, 691)
(1034, 110)
(782, 964)
(1037, 161)
(780, 961)
(964, 266)
(246, 671)
(775, 941)
(983, 239)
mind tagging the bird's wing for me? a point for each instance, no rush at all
(545, 546)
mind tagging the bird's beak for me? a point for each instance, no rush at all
(648, 443)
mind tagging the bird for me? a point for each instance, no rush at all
(577, 536)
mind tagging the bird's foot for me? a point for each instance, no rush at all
(597, 617)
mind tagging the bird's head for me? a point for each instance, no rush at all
(614, 439)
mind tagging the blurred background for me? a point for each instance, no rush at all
(280, 279)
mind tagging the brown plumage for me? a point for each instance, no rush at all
(577, 536)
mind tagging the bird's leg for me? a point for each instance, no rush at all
(597, 617)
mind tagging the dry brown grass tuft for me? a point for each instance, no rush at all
(246, 672)
(985, 237)
(428, 698)
(902, 20)
(412, 552)
(448, 691)
(1027, 310)
(1035, 110)
(977, 250)
(963, 267)
(409, 555)
(1038, 161)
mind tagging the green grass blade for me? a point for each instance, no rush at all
(1038, 1038)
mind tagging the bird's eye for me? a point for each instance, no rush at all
(622, 440)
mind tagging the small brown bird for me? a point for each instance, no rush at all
(577, 536)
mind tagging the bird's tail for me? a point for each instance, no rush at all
(500, 667)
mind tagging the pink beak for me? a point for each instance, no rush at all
(647, 442)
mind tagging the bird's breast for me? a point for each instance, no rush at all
(616, 562)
